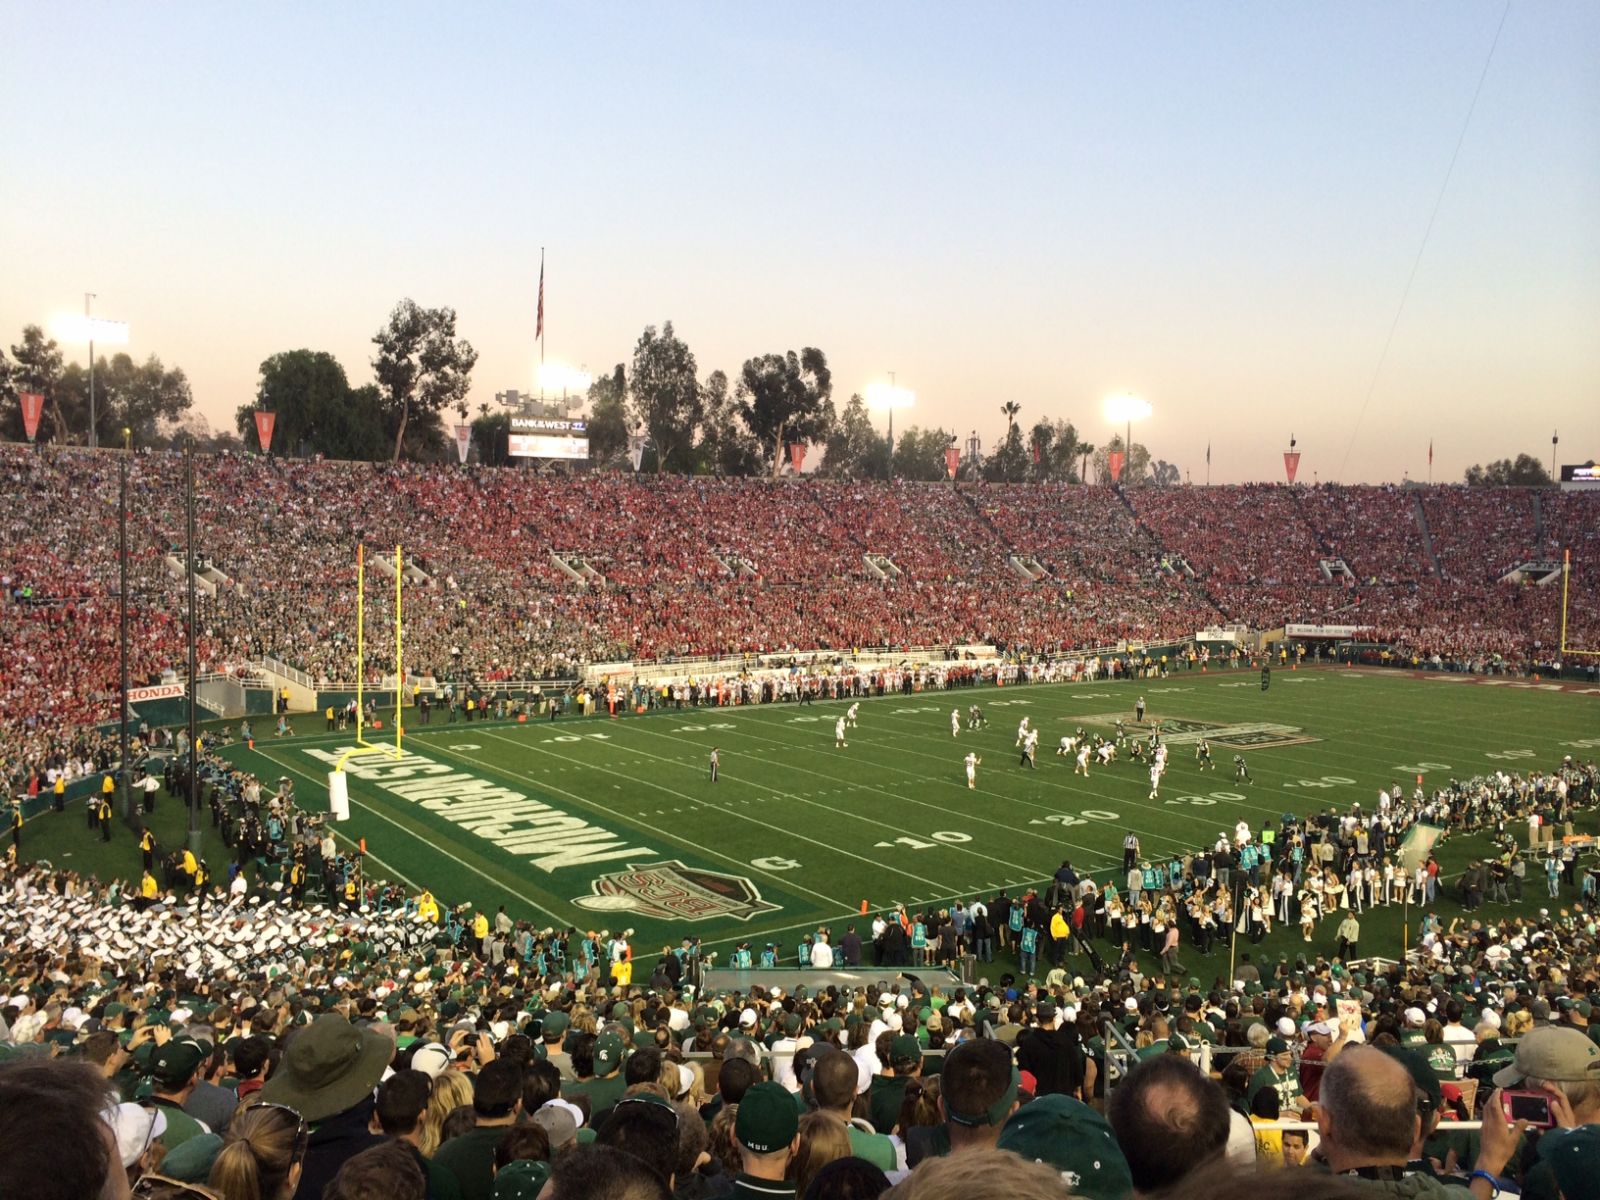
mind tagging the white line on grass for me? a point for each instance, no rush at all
(781, 878)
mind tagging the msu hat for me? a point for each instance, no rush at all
(1074, 1139)
(767, 1120)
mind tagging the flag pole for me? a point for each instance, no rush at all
(541, 324)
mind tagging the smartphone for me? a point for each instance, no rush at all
(1532, 1107)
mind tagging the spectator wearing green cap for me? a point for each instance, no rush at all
(1278, 1074)
(888, 1089)
(767, 1131)
(597, 1062)
(977, 1093)
(174, 1069)
(1070, 1137)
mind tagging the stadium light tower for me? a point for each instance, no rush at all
(1126, 408)
(555, 377)
(886, 397)
(125, 761)
(91, 329)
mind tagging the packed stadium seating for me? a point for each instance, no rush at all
(695, 566)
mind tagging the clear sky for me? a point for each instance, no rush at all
(1214, 205)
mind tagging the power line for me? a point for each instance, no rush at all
(1405, 295)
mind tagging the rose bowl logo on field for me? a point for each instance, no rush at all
(670, 890)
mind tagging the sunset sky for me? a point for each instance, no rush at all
(1215, 206)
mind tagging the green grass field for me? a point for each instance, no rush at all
(571, 822)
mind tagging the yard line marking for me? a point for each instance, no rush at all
(920, 803)
(788, 833)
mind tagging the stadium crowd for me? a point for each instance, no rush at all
(697, 566)
(236, 1037)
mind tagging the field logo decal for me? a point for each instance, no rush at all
(670, 890)
(1180, 731)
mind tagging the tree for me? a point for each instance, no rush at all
(920, 454)
(726, 446)
(1523, 471)
(422, 367)
(36, 366)
(317, 411)
(142, 397)
(786, 398)
(666, 392)
(1008, 464)
(855, 450)
(1165, 474)
(491, 435)
(1011, 408)
(1134, 469)
(608, 416)
(1053, 447)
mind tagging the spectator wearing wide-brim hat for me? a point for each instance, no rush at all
(328, 1073)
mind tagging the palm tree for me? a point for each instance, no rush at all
(1085, 449)
(1011, 408)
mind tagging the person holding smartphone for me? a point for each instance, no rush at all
(1553, 1083)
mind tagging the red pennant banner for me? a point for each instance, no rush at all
(264, 423)
(797, 455)
(1291, 463)
(952, 460)
(1114, 461)
(463, 442)
(32, 410)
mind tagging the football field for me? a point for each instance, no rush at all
(612, 824)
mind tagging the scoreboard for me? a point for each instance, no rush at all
(549, 437)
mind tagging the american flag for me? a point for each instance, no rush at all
(538, 331)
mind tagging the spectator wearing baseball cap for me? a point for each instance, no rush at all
(1564, 1062)
(1325, 1040)
(1277, 1074)
(1572, 1156)
(767, 1131)
(174, 1068)
(137, 1129)
(598, 1064)
(1070, 1137)
(888, 1090)
(1053, 1056)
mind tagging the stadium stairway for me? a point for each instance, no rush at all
(1427, 537)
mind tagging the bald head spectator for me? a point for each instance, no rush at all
(1371, 1117)
(1169, 1120)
